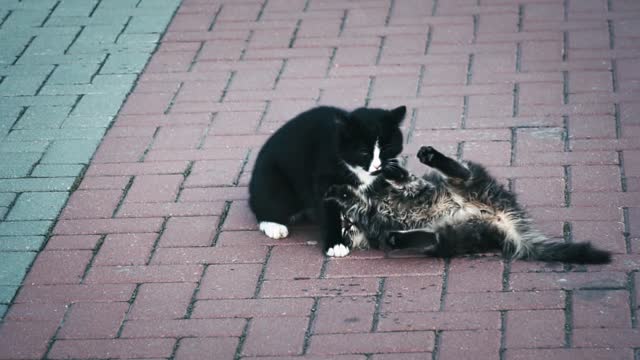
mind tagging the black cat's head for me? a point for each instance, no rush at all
(369, 137)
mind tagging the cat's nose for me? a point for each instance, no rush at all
(375, 165)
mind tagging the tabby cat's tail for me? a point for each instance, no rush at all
(575, 253)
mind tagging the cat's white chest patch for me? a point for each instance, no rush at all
(365, 178)
(364, 175)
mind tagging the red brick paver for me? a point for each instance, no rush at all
(157, 255)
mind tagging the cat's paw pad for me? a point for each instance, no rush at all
(274, 230)
(426, 154)
(338, 250)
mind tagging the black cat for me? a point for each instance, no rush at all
(459, 209)
(321, 147)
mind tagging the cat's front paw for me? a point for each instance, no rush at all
(427, 154)
(274, 230)
(338, 250)
(394, 172)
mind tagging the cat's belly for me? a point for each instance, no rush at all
(457, 211)
(445, 210)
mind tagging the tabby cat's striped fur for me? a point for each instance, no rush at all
(458, 209)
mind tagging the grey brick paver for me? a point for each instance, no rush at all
(25, 70)
(57, 98)
(6, 198)
(21, 228)
(75, 151)
(123, 63)
(50, 44)
(92, 104)
(42, 117)
(25, 101)
(86, 121)
(74, 8)
(37, 206)
(82, 58)
(34, 146)
(57, 170)
(13, 266)
(21, 85)
(36, 184)
(56, 134)
(73, 74)
(26, 18)
(6, 293)
(21, 243)
(147, 24)
(8, 116)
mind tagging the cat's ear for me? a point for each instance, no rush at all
(398, 114)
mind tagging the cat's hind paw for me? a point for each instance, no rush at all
(390, 242)
(338, 250)
(412, 239)
(274, 230)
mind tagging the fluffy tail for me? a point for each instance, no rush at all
(575, 253)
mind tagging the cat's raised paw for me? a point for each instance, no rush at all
(426, 154)
(274, 230)
(338, 250)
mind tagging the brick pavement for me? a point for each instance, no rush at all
(156, 255)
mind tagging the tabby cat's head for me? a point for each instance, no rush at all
(369, 137)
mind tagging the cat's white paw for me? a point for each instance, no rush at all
(338, 251)
(274, 230)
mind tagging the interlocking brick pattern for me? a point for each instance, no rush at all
(157, 255)
(66, 66)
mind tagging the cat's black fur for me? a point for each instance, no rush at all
(460, 209)
(316, 149)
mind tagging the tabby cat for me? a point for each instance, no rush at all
(458, 209)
